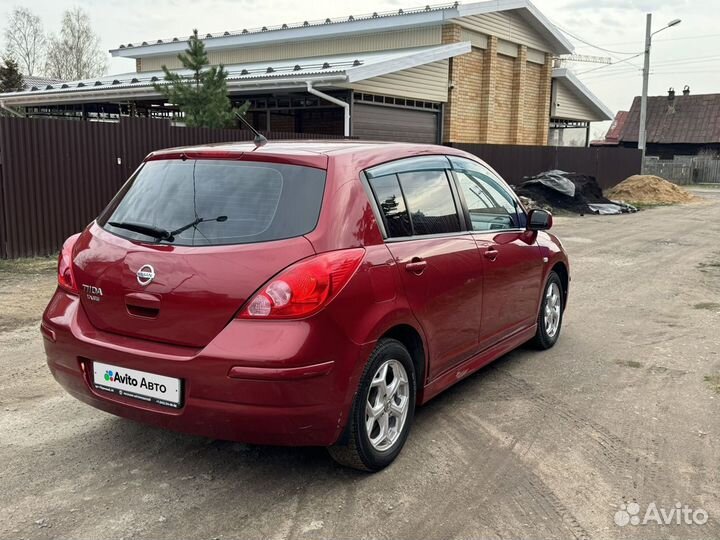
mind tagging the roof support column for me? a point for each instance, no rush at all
(451, 34)
(519, 102)
(544, 99)
(487, 95)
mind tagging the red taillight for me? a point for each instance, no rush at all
(66, 278)
(305, 287)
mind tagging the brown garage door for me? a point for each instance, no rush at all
(377, 123)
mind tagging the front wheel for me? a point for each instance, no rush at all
(382, 411)
(550, 317)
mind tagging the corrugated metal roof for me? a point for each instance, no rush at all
(691, 119)
(304, 24)
(38, 82)
(341, 68)
(375, 22)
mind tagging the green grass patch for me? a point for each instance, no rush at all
(712, 265)
(32, 265)
(714, 382)
(629, 363)
(649, 206)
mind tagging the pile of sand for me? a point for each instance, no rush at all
(649, 189)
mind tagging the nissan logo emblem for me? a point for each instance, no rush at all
(145, 275)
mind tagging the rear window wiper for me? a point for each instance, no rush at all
(194, 223)
(149, 230)
(159, 232)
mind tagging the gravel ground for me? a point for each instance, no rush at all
(624, 409)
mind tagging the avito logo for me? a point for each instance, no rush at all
(630, 514)
(117, 377)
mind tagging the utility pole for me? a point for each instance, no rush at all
(642, 136)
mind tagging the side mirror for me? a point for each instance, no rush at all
(539, 220)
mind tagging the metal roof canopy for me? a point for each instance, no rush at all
(251, 77)
(583, 93)
(376, 22)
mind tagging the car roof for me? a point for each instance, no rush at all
(306, 147)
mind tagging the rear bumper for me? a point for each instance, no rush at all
(280, 382)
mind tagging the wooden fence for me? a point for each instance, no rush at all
(57, 175)
(609, 165)
(685, 170)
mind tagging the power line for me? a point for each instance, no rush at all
(612, 53)
(616, 70)
(619, 75)
(578, 38)
(681, 38)
(609, 65)
(688, 60)
(689, 72)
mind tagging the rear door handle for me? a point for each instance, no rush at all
(491, 253)
(416, 266)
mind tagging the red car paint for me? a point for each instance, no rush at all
(291, 381)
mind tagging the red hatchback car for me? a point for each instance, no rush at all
(308, 293)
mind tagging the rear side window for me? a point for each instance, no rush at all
(430, 202)
(217, 202)
(392, 205)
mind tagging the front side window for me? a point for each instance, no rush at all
(216, 202)
(490, 205)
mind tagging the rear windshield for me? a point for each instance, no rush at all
(215, 202)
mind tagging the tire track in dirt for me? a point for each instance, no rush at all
(603, 446)
(498, 472)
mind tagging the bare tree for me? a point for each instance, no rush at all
(25, 40)
(75, 53)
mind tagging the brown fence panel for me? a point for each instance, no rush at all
(615, 164)
(55, 179)
(608, 165)
(57, 175)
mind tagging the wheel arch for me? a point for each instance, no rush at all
(413, 342)
(560, 268)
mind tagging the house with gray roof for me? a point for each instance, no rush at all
(455, 73)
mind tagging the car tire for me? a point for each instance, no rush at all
(550, 316)
(382, 411)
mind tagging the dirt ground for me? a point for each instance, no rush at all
(545, 445)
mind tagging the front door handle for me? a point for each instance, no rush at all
(491, 253)
(416, 266)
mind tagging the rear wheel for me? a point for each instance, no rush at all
(550, 317)
(382, 412)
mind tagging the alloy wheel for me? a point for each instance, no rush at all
(387, 404)
(553, 306)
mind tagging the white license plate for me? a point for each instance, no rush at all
(141, 385)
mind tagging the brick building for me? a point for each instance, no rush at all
(472, 73)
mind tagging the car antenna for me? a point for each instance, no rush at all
(260, 139)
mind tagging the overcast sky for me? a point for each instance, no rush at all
(686, 54)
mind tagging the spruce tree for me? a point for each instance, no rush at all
(202, 97)
(11, 80)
